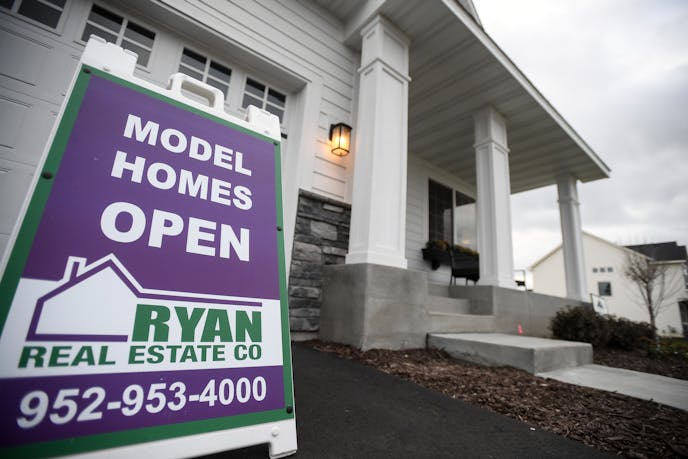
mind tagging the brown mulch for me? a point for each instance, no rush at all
(638, 360)
(607, 421)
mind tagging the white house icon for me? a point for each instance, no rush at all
(97, 302)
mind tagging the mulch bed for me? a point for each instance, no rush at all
(638, 360)
(607, 421)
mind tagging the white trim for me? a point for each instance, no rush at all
(120, 35)
(57, 30)
(510, 67)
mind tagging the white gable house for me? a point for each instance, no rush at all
(605, 263)
(445, 128)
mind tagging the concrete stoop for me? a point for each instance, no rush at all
(534, 355)
(448, 314)
(447, 305)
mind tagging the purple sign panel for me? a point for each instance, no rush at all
(185, 203)
(146, 289)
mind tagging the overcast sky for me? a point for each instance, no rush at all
(617, 71)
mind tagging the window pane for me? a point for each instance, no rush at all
(276, 97)
(144, 54)
(221, 86)
(248, 100)
(45, 14)
(255, 88)
(191, 73)
(440, 205)
(103, 17)
(219, 71)
(604, 288)
(139, 34)
(194, 60)
(58, 3)
(7, 3)
(92, 30)
(276, 111)
(465, 221)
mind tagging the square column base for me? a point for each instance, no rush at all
(373, 306)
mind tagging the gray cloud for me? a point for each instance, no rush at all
(617, 70)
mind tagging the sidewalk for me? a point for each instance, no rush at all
(660, 389)
(347, 410)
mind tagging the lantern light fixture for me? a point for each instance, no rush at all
(340, 139)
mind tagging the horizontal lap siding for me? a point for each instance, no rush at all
(307, 41)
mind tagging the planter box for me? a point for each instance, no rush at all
(465, 265)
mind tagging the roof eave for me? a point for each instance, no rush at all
(514, 71)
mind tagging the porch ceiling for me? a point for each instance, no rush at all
(457, 69)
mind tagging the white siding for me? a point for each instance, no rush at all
(625, 301)
(419, 173)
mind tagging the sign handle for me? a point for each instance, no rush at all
(179, 81)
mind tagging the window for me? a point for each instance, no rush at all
(440, 213)
(451, 216)
(604, 288)
(464, 221)
(609, 269)
(594, 270)
(120, 31)
(46, 12)
(264, 97)
(208, 71)
(683, 309)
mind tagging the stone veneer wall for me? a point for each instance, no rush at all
(321, 237)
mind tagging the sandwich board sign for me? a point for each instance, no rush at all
(143, 297)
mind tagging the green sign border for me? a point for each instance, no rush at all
(20, 253)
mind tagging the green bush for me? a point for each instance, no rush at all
(671, 348)
(580, 324)
(583, 324)
(628, 335)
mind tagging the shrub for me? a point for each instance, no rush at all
(628, 335)
(583, 324)
(580, 324)
(671, 348)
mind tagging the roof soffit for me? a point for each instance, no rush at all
(456, 69)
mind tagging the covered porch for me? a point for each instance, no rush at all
(441, 107)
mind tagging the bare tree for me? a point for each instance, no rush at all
(651, 277)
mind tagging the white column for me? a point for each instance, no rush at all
(493, 199)
(572, 239)
(378, 208)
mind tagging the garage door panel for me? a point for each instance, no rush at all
(62, 64)
(12, 115)
(15, 180)
(25, 124)
(27, 55)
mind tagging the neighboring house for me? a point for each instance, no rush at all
(445, 126)
(604, 263)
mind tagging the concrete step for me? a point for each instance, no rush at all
(442, 322)
(534, 355)
(445, 305)
(438, 289)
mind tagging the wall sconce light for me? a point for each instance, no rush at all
(340, 138)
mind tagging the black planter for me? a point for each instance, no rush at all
(436, 257)
(465, 265)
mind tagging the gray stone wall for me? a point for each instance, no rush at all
(321, 237)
